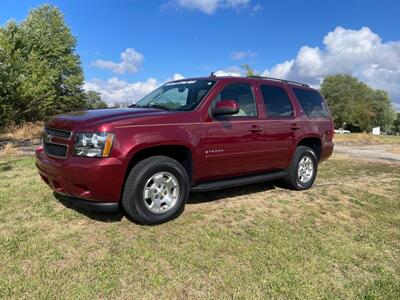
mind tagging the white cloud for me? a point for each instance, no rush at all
(238, 55)
(230, 71)
(115, 90)
(209, 6)
(176, 76)
(131, 60)
(360, 53)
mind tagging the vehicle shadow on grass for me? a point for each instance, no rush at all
(97, 216)
(195, 198)
(245, 190)
(7, 166)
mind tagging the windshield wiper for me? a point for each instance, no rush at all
(158, 106)
(150, 106)
(135, 105)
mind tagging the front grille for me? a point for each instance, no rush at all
(58, 133)
(55, 149)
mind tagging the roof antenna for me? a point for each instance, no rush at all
(212, 75)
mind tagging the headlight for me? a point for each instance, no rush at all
(97, 144)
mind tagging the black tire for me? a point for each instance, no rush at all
(292, 178)
(133, 200)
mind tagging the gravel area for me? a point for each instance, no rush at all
(371, 152)
(23, 147)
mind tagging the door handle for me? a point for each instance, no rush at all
(295, 126)
(255, 128)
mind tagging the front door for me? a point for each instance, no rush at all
(234, 145)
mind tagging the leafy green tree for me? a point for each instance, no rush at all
(41, 74)
(385, 114)
(54, 69)
(396, 124)
(11, 71)
(93, 100)
(248, 70)
(355, 105)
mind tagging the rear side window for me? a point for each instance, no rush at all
(312, 103)
(277, 102)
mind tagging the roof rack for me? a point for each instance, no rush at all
(280, 80)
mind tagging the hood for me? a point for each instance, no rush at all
(89, 118)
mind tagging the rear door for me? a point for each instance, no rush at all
(235, 145)
(281, 125)
(317, 120)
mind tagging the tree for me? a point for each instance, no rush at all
(355, 105)
(396, 123)
(93, 100)
(42, 73)
(385, 114)
(248, 70)
(11, 71)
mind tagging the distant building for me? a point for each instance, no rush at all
(376, 131)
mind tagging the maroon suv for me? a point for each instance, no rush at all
(198, 134)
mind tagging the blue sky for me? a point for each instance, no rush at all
(295, 39)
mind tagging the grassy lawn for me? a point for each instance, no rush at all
(341, 239)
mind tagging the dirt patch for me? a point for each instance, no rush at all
(379, 153)
(20, 139)
(18, 147)
(9, 149)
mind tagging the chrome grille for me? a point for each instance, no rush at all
(58, 133)
(56, 149)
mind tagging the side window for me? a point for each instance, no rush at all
(312, 103)
(243, 95)
(277, 102)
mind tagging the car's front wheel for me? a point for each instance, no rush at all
(303, 169)
(156, 190)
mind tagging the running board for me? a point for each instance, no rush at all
(238, 181)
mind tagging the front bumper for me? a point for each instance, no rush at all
(103, 207)
(92, 179)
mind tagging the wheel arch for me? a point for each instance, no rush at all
(314, 142)
(181, 153)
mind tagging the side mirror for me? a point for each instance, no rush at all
(225, 107)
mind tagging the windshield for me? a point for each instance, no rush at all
(182, 95)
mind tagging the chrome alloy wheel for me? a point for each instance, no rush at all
(305, 169)
(161, 192)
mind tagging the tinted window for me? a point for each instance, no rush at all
(243, 95)
(277, 102)
(312, 103)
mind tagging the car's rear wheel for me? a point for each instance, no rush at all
(156, 190)
(303, 169)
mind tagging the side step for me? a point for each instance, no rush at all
(237, 181)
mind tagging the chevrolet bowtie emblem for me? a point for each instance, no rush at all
(47, 138)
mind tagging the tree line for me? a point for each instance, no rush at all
(356, 106)
(40, 72)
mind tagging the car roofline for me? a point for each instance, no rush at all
(220, 78)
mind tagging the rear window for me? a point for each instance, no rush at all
(312, 103)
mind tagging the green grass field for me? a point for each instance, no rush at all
(341, 239)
